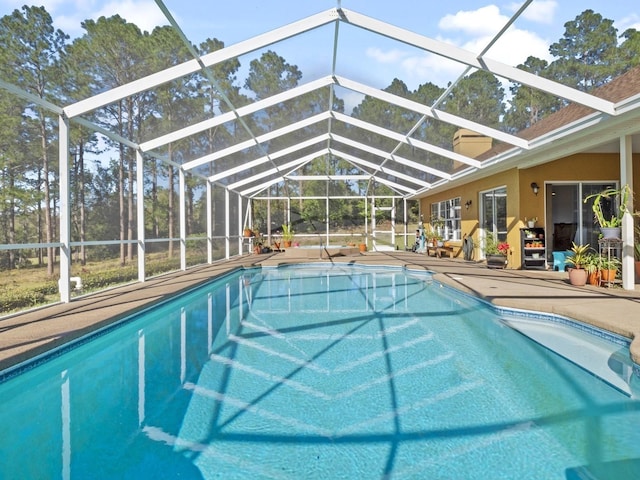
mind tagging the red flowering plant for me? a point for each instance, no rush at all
(503, 248)
(494, 247)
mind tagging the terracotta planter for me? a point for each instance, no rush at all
(578, 277)
(496, 261)
(247, 232)
(637, 270)
(363, 247)
(286, 243)
(594, 278)
(608, 275)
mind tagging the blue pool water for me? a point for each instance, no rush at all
(318, 372)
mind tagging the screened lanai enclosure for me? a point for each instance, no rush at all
(156, 149)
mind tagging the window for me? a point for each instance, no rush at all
(493, 214)
(445, 218)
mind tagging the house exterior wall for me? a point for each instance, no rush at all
(521, 201)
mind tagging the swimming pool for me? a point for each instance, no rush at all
(321, 372)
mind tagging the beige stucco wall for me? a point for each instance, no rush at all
(582, 167)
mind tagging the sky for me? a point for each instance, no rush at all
(372, 59)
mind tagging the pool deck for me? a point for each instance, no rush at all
(28, 335)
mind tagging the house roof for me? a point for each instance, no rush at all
(617, 90)
(577, 128)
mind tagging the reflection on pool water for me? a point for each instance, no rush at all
(325, 372)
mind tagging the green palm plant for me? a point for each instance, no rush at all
(287, 232)
(579, 255)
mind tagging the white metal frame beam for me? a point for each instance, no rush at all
(265, 159)
(381, 169)
(430, 112)
(241, 111)
(260, 139)
(353, 18)
(294, 164)
(465, 57)
(394, 158)
(192, 66)
(427, 147)
(319, 118)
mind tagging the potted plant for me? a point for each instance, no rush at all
(608, 268)
(604, 209)
(287, 235)
(531, 222)
(495, 251)
(591, 264)
(362, 246)
(578, 258)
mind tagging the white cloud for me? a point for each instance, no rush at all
(145, 14)
(483, 21)
(630, 21)
(474, 29)
(391, 56)
(540, 11)
(509, 48)
(351, 100)
(429, 68)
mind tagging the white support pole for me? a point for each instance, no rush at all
(393, 223)
(209, 222)
(240, 226)
(326, 221)
(269, 242)
(65, 211)
(405, 219)
(374, 226)
(183, 220)
(626, 178)
(142, 275)
(227, 227)
(366, 221)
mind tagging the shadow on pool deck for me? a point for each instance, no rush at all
(30, 334)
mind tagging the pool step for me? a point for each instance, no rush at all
(606, 360)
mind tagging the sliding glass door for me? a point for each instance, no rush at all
(571, 219)
(493, 213)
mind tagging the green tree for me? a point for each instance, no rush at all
(586, 55)
(113, 52)
(383, 114)
(528, 105)
(629, 50)
(478, 97)
(432, 131)
(12, 170)
(30, 59)
(270, 75)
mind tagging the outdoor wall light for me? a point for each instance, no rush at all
(467, 204)
(535, 187)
